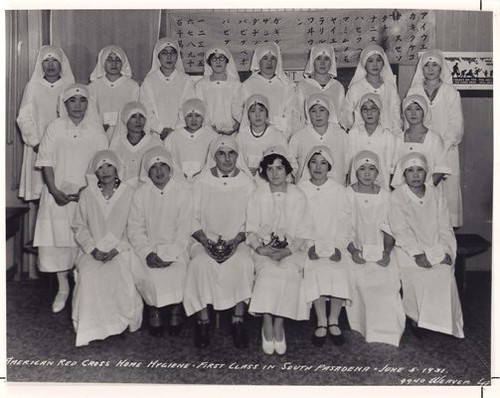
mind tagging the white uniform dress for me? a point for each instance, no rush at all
(252, 147)
(163, 98)
(330, 212)
(279, 286)
(131, 155)
(390, 116)
(432, 148)
(334, 90)
(159, 222)
(38, 108)
(219, 211)
(382, 142)
(283, 102)
(376, 310)
(446, 120)
(335, 139)
(68, 149)
(190, 150)
(110, 97)
(105, 300)
(419, 225)
(222, 99)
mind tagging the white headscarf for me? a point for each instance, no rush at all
(421, 101)
(129, 109)
(323, 100)
(78, 89)
(231, 70)
(433, 56)
(386, 73)
(57, 53)
(228, 142)
(408, 160)
(375, 98)
(252, 100)
(193, 105)
(106, 156)
(316, 51)
(155, 155)
(323, 151)
(266, 48)
(101, 58)
(365, 157)
(160, 45)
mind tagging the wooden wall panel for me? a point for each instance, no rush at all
(82, 34)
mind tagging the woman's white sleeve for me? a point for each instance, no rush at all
(403, 234)
(136, 227)
(79, 226)
(26, 120)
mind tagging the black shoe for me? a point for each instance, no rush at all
(155, 322)
(175, 330)
(201, 337)
(240, 337)
(419, 333)
(319, 341)
(337, 339)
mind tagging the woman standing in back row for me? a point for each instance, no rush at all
(432, 80)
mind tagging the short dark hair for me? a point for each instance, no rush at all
(268, 160)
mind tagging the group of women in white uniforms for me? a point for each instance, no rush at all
(260, 196)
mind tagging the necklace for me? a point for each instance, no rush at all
(113, 190)
(259, 134)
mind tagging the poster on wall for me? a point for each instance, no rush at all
(401, 33)
(471, 70)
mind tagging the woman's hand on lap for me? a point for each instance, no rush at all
(312, 253)
(384, 261)
(421, 260)
(447, 259)
(336, 257)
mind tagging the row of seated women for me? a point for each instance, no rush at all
(276, 249)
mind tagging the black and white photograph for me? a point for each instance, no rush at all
(249, 197)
